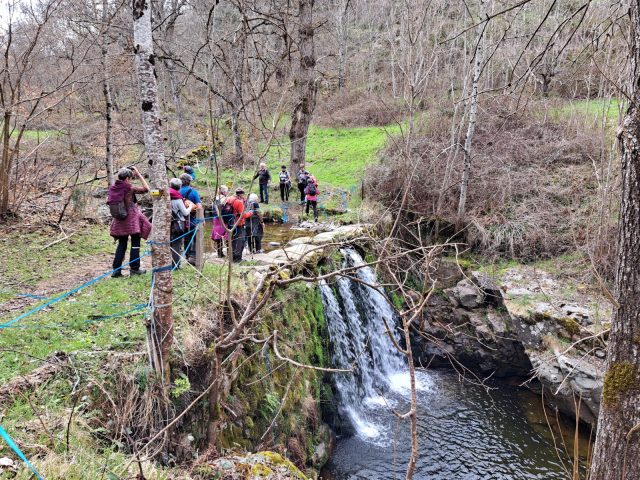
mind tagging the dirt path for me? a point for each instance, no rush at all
(84, 270)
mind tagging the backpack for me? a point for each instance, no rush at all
(118, 210)
(312, 190)
(226, 213)
(177, 224)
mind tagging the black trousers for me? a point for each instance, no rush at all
(284, 192)
(134, 254)
(237, 243)
(314, 205)
(191, 251)
(219, 245)
(301, 187)
(255, 243)
(176, 248)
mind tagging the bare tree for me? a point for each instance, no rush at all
(22, 40)
(106, 92)
(307, 86)
(160, 329)
(617, 449)
(473, 110)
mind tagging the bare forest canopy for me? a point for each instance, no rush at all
(240, 81)
(491, 125)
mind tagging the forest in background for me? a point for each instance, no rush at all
(538, 88)
(489, 123)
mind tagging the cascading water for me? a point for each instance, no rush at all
(464, 432)
(356, 319)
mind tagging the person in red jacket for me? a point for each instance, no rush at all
(241, 213)
(311, 195)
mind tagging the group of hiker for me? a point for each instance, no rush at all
(307, 186)
(232, 214)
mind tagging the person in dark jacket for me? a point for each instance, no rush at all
(311, 195)
(264, 178)
(285, 183)
(191, 194)
(254, 225)
(303, 175)
(135, 225)
(180, 210)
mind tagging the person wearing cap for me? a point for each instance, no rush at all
(241, 213)
(135, 225)
(191, 194)
(189, 169)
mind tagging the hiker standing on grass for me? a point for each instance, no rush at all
(191, 194)
(264, 178)
(285, 183)
(128, 219)
(303, 176)
(311, 195)
(180, 211)
(222, 216)
(240, 213)
(255, 225)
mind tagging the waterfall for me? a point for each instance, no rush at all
(356, 312)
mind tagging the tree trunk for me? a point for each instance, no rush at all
(237, 136)
(160, 329)
(307, 87)
(617, 450)
(106, 92)
(473, 110)
(5, 169)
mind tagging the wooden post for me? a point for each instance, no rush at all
(200, 238)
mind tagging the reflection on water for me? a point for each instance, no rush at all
(464, 433)
(277, 233)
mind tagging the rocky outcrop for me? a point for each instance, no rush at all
(522, 322)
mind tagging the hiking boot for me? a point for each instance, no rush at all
(192, 261)
(117, 274)
(139, 271)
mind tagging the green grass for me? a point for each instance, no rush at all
(337, 157)
(591, 110)
(23, 261)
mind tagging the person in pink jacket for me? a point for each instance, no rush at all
(311, 196)
(135, 225)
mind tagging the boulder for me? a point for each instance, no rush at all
(466, 294)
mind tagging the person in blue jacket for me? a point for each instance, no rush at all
(191, 194)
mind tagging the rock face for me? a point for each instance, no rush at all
(525, 323)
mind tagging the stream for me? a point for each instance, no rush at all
(465, 431)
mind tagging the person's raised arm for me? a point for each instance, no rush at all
(145, 185)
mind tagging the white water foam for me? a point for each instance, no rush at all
(356, 315)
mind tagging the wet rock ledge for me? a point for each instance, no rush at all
(520, 322)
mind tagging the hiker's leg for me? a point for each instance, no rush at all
(314, 204)
(238, 244)
(176, 249)
(266, 193)
(258, 242)
(307, 209)
(121, 249)
(134, 254)
(283, 187)
(301, 188)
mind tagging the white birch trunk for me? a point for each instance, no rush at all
(473, 110)
(106, 92)
(160, 329)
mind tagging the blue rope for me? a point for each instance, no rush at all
(7, 438)
(138, 307)
(66, 294)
